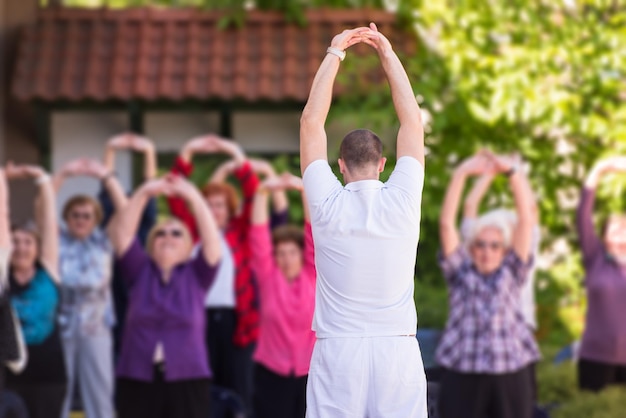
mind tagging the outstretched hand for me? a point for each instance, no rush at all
(375, 39)
(285, 181)
(348, 37)
(157, 187)
(23, 171)
(478, 164)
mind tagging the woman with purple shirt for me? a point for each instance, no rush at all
(603, 350)
(163, 371)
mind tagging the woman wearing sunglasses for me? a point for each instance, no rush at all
(34, 291)
(86, 314)
(284, 265)
(486, 349)
(163, 371)
(603, 349)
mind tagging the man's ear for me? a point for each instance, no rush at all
(381, 164)
(342, 166)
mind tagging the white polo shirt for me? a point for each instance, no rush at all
(365, 236)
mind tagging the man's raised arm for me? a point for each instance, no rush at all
(313, 143)
(411, 133)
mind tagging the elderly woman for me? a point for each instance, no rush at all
(603, 349)
(86, 314)
(35, 295)
(486, 349)
(232, 305)
(284, 267)
(163, 370)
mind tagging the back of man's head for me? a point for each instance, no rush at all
(361, 150)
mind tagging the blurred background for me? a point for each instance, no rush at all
(543, 78)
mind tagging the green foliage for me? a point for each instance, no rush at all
(541, 78)
(558, 387)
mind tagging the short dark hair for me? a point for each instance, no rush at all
(360, 148)
(288, 233)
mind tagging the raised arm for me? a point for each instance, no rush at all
(94, 168)
(5, 223)
(519, 185)
(411, 134)
(207, 227)
(5, 233)
(286, 181)
(313, 142)
(263, 169)
(476, 195)
(122, 229)
(45, 214)
(590, 241)
(448, 231)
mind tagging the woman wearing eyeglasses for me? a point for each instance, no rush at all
(603, 348)
(34, 280)
(486, 349)
(163, 370)
(86, 314)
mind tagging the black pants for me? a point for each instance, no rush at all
(595, 375)
(467, 395)
(232, 366)
(42, 400)
(161, 399)
(277, 396)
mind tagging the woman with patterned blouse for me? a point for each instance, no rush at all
(486, 349)
(34, 291)
(86, 315)
(603, 348)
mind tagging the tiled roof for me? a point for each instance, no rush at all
(179, 54)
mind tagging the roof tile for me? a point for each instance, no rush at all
(176, 54)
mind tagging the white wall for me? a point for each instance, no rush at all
(84, 134)
(170, 130)
(267, 132)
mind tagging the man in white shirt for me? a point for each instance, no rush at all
(366, 361)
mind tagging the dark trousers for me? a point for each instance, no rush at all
(232, 366)
(277, 396)
(12, 406)
(595, 375)
(469, 395)
(161, 399)
(42, 400)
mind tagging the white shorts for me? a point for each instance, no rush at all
(375, 377)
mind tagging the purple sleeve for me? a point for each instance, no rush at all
(279, 218)
(519, 269)
(590, 243)
(452, 265)
(131, 263)
(204, 272)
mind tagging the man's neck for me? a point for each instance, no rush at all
(351, 179)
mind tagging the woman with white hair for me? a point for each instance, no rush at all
(486, 349)
(163, 370)
(603, 348)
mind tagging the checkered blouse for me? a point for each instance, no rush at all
(485, 332)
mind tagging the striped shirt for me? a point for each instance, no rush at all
(486, 331)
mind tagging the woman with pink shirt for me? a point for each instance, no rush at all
(284, 265)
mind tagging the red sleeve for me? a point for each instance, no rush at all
(178, 206)
(249, 184)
